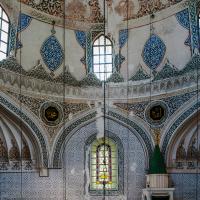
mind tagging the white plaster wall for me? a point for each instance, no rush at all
(172, 34)
(73, 55)
(168, 29)
(32, 39)
(136, 41)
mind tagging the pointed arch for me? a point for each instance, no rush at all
(176, 123)
(12, 110)
(102, 52)
(115, 143)
(4, 33)
(136, 128)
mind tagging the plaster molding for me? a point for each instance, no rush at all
(117, 91)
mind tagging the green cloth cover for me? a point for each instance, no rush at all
(156, 162)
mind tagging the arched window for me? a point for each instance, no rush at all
(104, 165)
(4, 30)
(102, 57)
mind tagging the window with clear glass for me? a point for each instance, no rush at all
(102, 58)
(4, 30)
(104, 165)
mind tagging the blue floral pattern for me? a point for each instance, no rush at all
(24, 22)
(123, 37)
(168, 71)
(81, 38)
(140, 75)
(19, 45)
(12, 37)
(184, 20)
(154, 51)
(119, 59)
(193, 5)
(52, 53)
(188, 40)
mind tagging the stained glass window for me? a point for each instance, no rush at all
(102, 58)
(4, 30)
(104, 165)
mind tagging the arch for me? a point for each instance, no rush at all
(76, 161)
(21, 116)
(120, 151)
(139, 130)
(181, 142)
(4, 36)
(19, 144)
(176, 123)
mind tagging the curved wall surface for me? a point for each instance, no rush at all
(52, 105)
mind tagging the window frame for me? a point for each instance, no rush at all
(104, 72)
(198, 23)
(120, 154)
(112, 163)
(109, 163)
(3, 12)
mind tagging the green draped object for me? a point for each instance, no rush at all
(156, 162)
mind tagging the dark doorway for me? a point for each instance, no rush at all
(160, 198)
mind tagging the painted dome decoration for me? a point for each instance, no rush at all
(91, 11)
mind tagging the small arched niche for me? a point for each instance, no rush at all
(130, 168)
(20, 147)
(183, 152)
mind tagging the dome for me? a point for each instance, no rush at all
(87, 12)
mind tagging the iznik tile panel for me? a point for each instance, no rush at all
(123, 37)
(184, 20)
(154, 51)
(24, 22)
(81, 38)
(52, 53)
